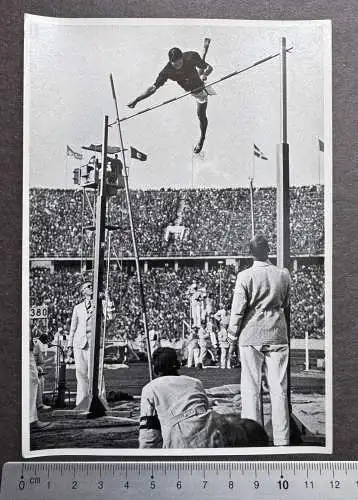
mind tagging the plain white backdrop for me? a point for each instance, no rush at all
(69, 92)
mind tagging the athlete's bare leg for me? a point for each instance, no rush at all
(201, 111)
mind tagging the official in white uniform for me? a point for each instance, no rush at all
(257, 319)
(195, 304)
(34, 385)
(35, 423)
(222, 316)
(193, 348)
(79, 340)
(40, 352)
(224, 348)
(208, 307)
(212, 334)
(154, 340)
(203, 345)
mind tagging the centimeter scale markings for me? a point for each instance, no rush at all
(163, 480)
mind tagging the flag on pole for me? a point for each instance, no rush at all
(138, 155)
(70, 152)
(111, 150)
(320, 145)
(259, 153)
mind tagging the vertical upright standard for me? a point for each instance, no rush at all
(97, 407)
(283, 174)
(283, 219)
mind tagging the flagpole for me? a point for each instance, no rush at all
(252, 206)
(319, 163)
(251, 193)
(253, 162)
(66, 171)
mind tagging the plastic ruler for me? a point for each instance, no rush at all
(178, 480)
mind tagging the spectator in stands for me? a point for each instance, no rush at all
(258, 321)
(57, 227)
(167, 304)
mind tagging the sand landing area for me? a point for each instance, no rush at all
(121, 431)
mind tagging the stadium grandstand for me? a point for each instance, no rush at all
(214, 221)
(183, 235)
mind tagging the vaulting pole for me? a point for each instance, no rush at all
(105, 306)
(139, 278)
(226, 77)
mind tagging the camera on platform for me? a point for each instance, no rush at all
(88, 175)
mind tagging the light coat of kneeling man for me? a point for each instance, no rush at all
(175, 413)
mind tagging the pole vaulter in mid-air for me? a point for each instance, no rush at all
(190, 71)
(200, 76)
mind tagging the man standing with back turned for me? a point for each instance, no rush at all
(183, 68)
(258, 321)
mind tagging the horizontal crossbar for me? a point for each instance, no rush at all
(226, 77)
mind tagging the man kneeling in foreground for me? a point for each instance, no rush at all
(175, 413)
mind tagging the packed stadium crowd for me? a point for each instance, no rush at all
(307, 301)
(62, 221)
(167, 301)
(216, 221)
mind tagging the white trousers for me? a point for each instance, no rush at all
(82, 373)
(40, 391)
(193, 355)
(203, 352)
(196, 314)
(224, 357)
(82, 357)
(34, 383)
(271, 360)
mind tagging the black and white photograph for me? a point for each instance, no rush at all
(177, 237)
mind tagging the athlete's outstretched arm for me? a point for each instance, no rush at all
(150, 91)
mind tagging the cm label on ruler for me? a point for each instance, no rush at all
(163, 480)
